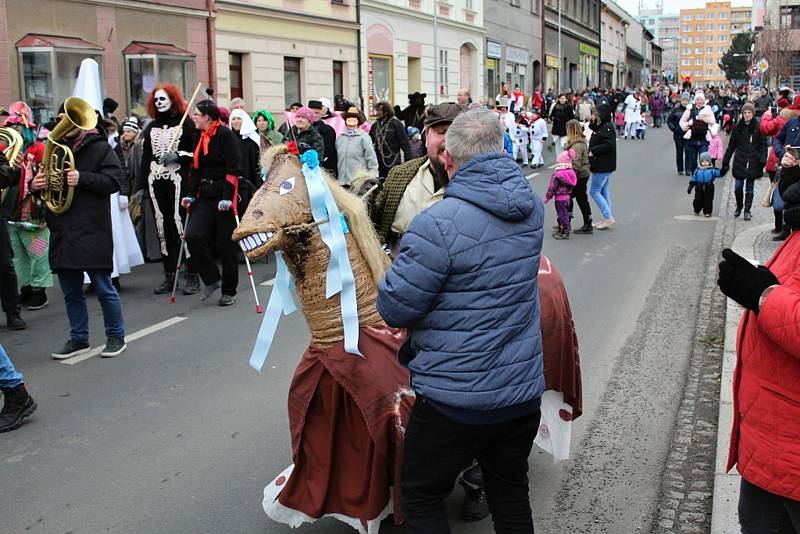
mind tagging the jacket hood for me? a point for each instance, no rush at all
(604, 112)
(495, 183)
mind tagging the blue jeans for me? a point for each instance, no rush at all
(72, 287)
(740, 184)
(600, 192)
(9, 377)
(693, 150)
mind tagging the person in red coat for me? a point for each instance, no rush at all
(770, 126)
(765, 439)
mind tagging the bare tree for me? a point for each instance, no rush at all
(776, 43)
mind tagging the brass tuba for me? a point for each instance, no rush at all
(58, 159)
(13, 141)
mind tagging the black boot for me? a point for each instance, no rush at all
(748, 203)
(166, 285)
(587, 228)
(38, 299)
(17, 405)
(778, 222)
(474, 507)
(192, 284)
(783, 235)
(25, 295)
(739, 197)
(15, 322)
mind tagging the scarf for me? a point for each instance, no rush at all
(205, 140)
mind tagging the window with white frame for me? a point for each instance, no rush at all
(710, 27)
(699, 16)
(711, 16)
(710, 50)
(698, 28)
(722, 49)
(687, 17)
(687, 28)
(443, 81)
(686, 62)
(723, 16)
(698, 61)
(148, 64)
(687, 51)
(723, 27)
(687, 39)
(723, 37)
(698, 50)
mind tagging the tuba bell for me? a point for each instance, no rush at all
(13, 141)
(58, 158)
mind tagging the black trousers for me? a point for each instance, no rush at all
(437, 449)
(165, 197)
(703, 198)
(762, 512)
(9, 293)
(580, 197)
(680, 156)
(208, 226)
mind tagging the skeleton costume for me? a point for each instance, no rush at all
(164, 179)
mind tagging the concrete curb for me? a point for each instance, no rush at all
(724, 514)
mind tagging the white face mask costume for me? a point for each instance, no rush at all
(162, 101)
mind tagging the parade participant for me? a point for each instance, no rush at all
(304, 134)
(9, 291)
(347, 413)
(457, 417)
(250, 144)
(330, 159)
(416, 184)
(414, 114)
(538, 138)
(355, 151)
(28, 232)
(164, 174)
(389, 138)
(750, 149)
(561, 113)
(213, 197)
(238, 103)
(284, 128)
(82, 240)
(602, 162)
(561, 183)
(269, 137)
(331, 118)
(766, 413)
(17, 402)
(538, 101)
(520, 137)
(633, 114)
(519, 100)
(695, 122)
(141, 208)
(507, 120)
(576, 142)
(674, 124)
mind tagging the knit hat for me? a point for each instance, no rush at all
(783, 103)
(748, 106)
(565, 157)
(705, 156)
(327, 103)
(306, 113)
(699, 94)
(20, 113)
(685, 96)
(131, 125)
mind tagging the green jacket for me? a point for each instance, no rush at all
(580, 163)
(387, 199)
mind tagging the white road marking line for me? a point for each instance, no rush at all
(132, 337)
(553, 166)
(270, 282)
(534, 175)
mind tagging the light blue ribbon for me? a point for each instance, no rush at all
(281, 302)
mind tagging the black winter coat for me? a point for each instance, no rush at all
(603, 144)
(560, 115)
(81, 238)
(674, 121)
(224, 159)
(331, 159)
(750, 149)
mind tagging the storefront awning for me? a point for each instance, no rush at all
(161, 49)
(35, 40)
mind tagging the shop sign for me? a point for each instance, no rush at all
(588, 49)
(494, 49)
(491, 64)
(551, 61)
(516, 55)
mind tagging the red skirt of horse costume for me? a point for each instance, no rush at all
(347, 417)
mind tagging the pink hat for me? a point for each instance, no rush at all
(306, 113)
(566, 156)
(20, 113)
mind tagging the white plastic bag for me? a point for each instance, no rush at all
(555, 430)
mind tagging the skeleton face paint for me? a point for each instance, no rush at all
(162, 101)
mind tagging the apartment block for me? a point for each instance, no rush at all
(705, 36)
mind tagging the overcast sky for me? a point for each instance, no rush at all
(672, 6)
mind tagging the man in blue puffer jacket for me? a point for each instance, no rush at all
(465, 287)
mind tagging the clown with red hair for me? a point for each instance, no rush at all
(29, 235)
(166, 159)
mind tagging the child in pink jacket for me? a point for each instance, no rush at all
(561, 184)
(619, 122)
(715, 145)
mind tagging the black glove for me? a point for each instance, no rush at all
(169, 157)
(723, 171)
(691, 186)
(791, 203)
(742, 281)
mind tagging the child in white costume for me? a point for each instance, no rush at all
(519, 135)
(538, 137)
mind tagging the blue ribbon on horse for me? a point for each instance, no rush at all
(281, 302)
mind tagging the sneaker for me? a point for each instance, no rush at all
(17, 405)
(38, 299)
(707, 214)
(71, 348)
(25, 295)
(15, 322)
(561, 235)
(585, 229)
(192, 284)
(227, 300)
(748, 216)
(697, 214)
(605, 224)
(114, 347)
(474, 507)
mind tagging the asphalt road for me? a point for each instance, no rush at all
(179, 435)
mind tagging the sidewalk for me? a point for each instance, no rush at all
(753, 240)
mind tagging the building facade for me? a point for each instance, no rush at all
(741, 19)
(705, 37)
(397, 43)
(273, 53)
(666, 34)
(614, 23)
(577, 37)
(44, 41)
(779, 43)
(513, 45)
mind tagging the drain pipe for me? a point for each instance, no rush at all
(358, 55)
(212, 44)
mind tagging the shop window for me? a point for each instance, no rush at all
(291, 81)
(338, 78)
(151, 63)
(790, 17)
(235, 78)
(49, 68)
(381, 80)
(443, 72)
